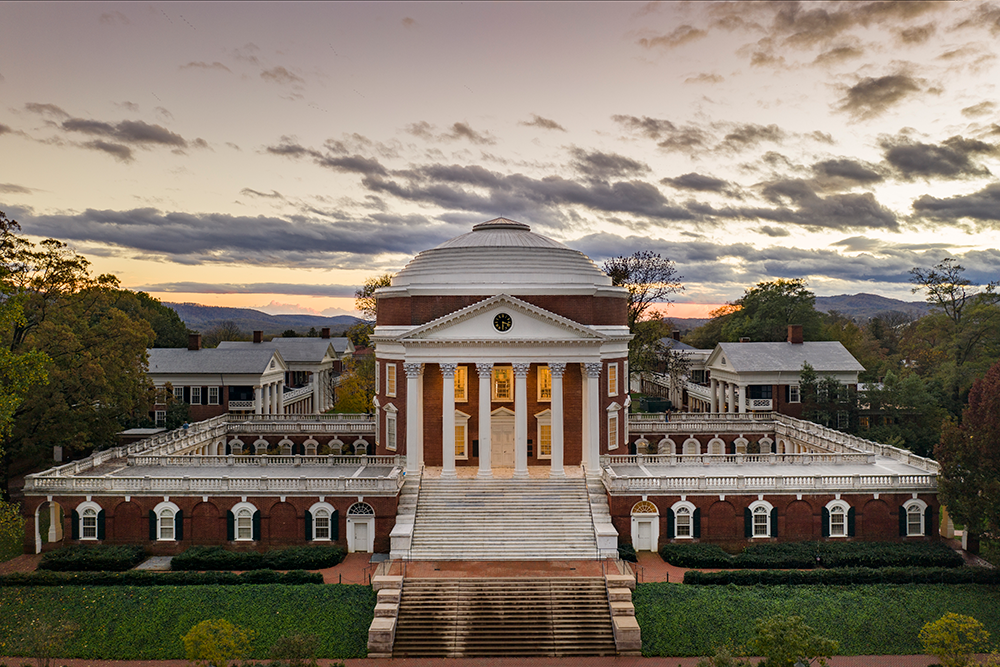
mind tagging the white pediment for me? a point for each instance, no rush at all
(503, 318)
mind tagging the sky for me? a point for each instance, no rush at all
(276, 155)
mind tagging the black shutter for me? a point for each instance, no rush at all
(230, 526)
(309, 526)
(152, 526)
(786, 393)
(774, 522)
(334, 527)
(930, 521)
(256, 526)
(179, 525)
(298, 448)
(229, 450)
(747, 522)
(902, 521)
(696, 519)
(670, 525)
(187, 395)
(100, 525)
(475, 448)
(850, 522)
(204, 395)
(825, 522)
(74, 529)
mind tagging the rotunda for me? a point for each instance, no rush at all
(538, 327)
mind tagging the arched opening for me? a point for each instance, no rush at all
(361, 528)
(645, 526)
(48, 524)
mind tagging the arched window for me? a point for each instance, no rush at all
(88, 524)
(166, 522)
(685, 521)
(243, 523)
(321, 523)
(914, 525)
(838, 519)
(761, 520)
(360, 509)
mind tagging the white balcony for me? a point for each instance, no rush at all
(760, 404)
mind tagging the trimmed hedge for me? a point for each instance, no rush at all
(807, 555)
(846, 576)
(92, 558)
(295, 558)
(148, 578)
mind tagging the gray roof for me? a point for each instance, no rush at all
(672, 344)
(304, 350)
(217, 360)
(823, 356)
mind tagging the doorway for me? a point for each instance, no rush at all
(502, 438)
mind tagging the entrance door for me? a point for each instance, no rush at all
(502, 442)
(361, 536)
(645, 530)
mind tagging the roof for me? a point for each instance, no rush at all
(216, 360)
(300, 350)
(823, 356)
(672, 344)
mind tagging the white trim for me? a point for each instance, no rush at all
(614, 435)
(754, 506)
(80, 509)
(797, 392)
(322, 506)
(921, 506)
(391, 432)
(352, 521)
(236, 509)
(689, 506)
(217, 392)
(173, 509)
(653, 521)
(543, 419)
(845, 509)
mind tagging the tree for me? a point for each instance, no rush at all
(216, 642)
(364, 296)
(357, 385)
(786, 641)
(902, 411)
(708, 335)
(765, 310)
(649, 279)
(296, 650)
(167, 325)
(289, 333)
(225, 330)
(11, 530)
(953, 639)
(969, 454)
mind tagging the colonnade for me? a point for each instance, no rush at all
(268, 399)
(727, 396)
(591, 430)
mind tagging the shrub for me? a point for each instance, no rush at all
(43, 640)
(786, 641)
(627, 552)
(295, 558)
(807, 555)
(846, 576)
(148, 578)
(296, 650)
(953, 639)
(695, 555)
(11, 530)
(216, 642)
(92, 558)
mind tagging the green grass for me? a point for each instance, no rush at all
(679, 620)
(147, 623)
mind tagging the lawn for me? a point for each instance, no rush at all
(140, 623)
(681, 620)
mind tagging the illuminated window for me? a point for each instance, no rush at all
(244, 525)
(544, 421)
(390, 379)
(390, 431)
(544, 384)
(461, 384)
(461, 435)
(503, 383)
(612, 379)
(613, 430)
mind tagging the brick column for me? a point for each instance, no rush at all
(448, 420)
(556, 469)
(485, 372)
(521, 419)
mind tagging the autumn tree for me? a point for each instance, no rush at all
(649, 278)
(364, 296)
(969, 454)
(765, 310)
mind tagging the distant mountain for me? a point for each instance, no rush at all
(202, 318)
(862, 307)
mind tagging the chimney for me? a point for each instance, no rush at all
(745, 339)
(325, 332)
(676, 334)
(795, 334)
(194, 341)
(258, 336)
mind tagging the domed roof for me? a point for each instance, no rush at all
(501, 256)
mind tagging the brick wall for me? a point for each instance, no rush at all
(417, 310)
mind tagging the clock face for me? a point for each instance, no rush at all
(502, 322)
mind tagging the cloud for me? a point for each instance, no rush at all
(751, 134)
(698, 182)
(408, 22)
(216, 65)
(684, 34)
(117, 151)
(704, 78)
(983, 206)
(332, 159)
(273, 194)
(11, 188)
(129, 106)
(293, 289)
(775, 232)
(872, 96)
(652, 128)
(544, 123)
(853, 171)
(859, 244)
(605, 166)
(798, 203)
(4, 129)
(127, 131)
(984, 108)
(425, 130)
(916, 34)
(46, 109)
(838, 54)
(281, 76)
(951, 159)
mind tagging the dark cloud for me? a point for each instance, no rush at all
(127, 131)
(838, 54)
(289, 148)
(859, 244)
(465, 131)
(273, 194)
(117, 151)
(544, 123)
(872, 96)
(216, 65)
(332, 159)
(12, 189)
(954, 158)
(130, 106)
(984, 108)
(678, 37)
(798, 203)
(751, 134)
(987, 15)
(605, 166)
(251, 288)
(281, 76)
(652, 128)
(704, 78)
(4, 129)
(774, 232)
(847, 169)
(46, 109)
(698, 182)
(983, 206)
(917, 34)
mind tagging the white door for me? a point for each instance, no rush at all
(361, 536)
(645, 530)
(502, 443)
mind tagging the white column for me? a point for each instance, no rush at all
(713, 392)
(741, 397)
(414, 452)
(281, 397)
(317, 392)
(485, 372)
(593, 445)
(732, 396)
(557, 370)
(55, 525)
(272, 398)
(265, 396)
(521, 419)
(448, 420)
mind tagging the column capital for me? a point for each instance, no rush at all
(593, 369)
(485, 370)
(412, 369)
(557, 369)
(521, 370)
(448, 370)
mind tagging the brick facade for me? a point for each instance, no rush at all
(417, 310)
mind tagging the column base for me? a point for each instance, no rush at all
(557, 473)
(449, 474)
(521, 474)
(484, 474)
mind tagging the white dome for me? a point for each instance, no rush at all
(501, 256)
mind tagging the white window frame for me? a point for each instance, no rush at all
(915, 506)
(613, 379)
(160, 510)
(241, 507)
(841, 508)
(544, 424)
(754, 513)
(679, 508)
(507, 371)
(160, 417)
(461, 384)
(195, 395)
(390, 379)
(390, 427)
(378, 365)
(315, 510)
(378, 424)
(82, 512)
(179, 393)
(544, 377)
(213, 395)
(614, 426)
(794, 394)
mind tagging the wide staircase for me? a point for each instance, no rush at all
(567, 616)
(503, 519)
